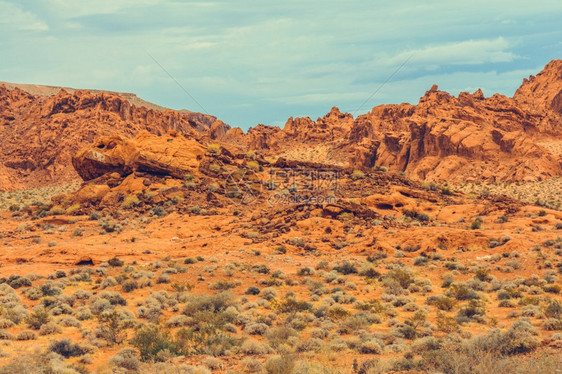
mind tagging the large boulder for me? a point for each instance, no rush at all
(171, 154)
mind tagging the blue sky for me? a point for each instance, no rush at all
(250, 61)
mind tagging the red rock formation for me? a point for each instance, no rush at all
(171, 154)
(447, 138)
(39, 134)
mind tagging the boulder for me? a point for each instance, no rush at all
(171, 154)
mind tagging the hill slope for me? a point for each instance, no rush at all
(40, 132)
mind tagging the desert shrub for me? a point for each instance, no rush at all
(346, 268)
(292, 305)
(369, 272)
(213, 363)
(554, 288)
(83, 313)
(27, 335)
(297, 242)
(211, 310)
(553, 309)
(442, 302)
(252, 290)
(151, 339)
(251, 365)
(33, 293)
(214, 168)
(16, 281)
(278, 336)
(352, 323)
(269, 293)
(178, 321)
(224, 285)
(79, 231)
(370, 347)
(214, 149)
(41, 363)
(82, 294)
(253, 165)
(6, 335)
(309, 345)
(506, 304)
(476, 225)
(461, 291)
(115, 262)
(305, 271)
(421, 261)
(445, 323)
(113, 325)
(552, 324)
(319, 333)
(129, 285)
(403, 277)
(163, 278)
(158, 211)
(69, 321)
(280, 365)
(126, 358)
(254, 347)
(256, 328)
(50, 328)
(521, 337)
(474, 310)
(6, 323)
(66, 348)
(213, 187)
(114, 298)
(357, 174)
(38, 318)
(94, 216)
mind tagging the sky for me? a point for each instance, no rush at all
(250, 61)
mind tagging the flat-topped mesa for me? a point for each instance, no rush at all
(171, 154)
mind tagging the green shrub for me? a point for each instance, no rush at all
(151, 339)
(346, 268)
(214, 149)
(38, 318)
(130, 285)
(66, 348)
(291, 305)
(403, 277)
(126, 358)
(357, 174)
(442, 302)
(252, 290)
(115, 262)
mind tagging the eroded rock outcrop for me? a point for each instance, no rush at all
(442, 138)
(171, 154)
(39, 134)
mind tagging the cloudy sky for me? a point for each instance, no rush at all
(255, 61)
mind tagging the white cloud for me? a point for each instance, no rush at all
(469, 52)
(12, 17)
(251, 62)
